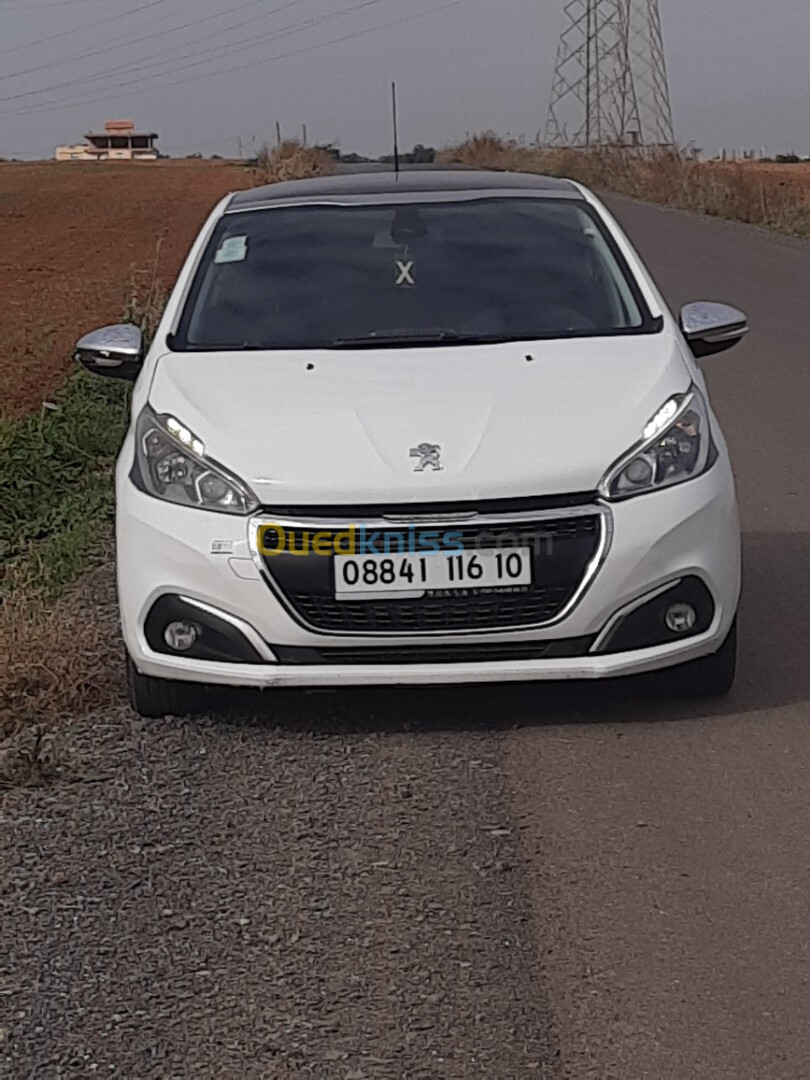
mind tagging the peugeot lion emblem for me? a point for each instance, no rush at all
(430, 456)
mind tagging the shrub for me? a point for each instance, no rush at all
(291, 160)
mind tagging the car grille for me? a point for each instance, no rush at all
(429, 614)
(566, 547)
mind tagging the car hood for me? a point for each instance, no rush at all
(339, 427)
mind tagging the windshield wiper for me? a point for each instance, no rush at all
(381, 338)
(399, 338)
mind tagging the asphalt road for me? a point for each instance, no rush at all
(505, 883)
(669, 847)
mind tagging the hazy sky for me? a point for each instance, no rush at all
(739, 70)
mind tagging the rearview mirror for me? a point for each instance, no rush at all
(114, 351)
(712, 328)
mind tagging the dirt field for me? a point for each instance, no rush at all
(72, 237)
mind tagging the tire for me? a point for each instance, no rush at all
(156, 698)
(710, 676)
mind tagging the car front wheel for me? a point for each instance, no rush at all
(710, 676)
(156, 698)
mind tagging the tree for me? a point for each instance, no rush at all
(422, 155)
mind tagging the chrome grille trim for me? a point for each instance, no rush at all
(600, 510)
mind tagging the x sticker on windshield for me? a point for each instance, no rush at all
(405, 273)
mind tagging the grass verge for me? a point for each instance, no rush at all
(62, 660)
(55, 470)
(58, 621)
(55, 526)
(58, 618)
(737, 192)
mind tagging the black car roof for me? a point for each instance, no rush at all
(356, 186)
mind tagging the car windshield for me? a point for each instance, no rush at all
(325, 276)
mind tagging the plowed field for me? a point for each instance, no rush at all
(71, 238)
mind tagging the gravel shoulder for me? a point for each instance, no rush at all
(338, 896)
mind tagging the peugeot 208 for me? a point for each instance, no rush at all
(440, 428)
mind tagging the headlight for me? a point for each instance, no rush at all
(173, 466)
(675, 446)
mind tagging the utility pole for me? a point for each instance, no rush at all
(610, 79)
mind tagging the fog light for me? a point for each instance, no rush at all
(681, 618)
(181, 636)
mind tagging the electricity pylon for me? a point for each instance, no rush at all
(610, 79)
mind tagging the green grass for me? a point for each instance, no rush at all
(55, 479)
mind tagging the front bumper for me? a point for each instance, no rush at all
(687, 531)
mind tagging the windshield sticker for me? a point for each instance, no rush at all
(234, 249)
(405, 270)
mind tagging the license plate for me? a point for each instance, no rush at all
(408, 576)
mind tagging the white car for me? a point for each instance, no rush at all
(434, 428)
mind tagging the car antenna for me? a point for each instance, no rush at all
(396, 129)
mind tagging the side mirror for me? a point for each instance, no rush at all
(114, 351)
(712, 328)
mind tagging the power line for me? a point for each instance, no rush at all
(227, 49)
(84, 26)
(238, 46)
(46, 3)
(104, 48)
(58, 107)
